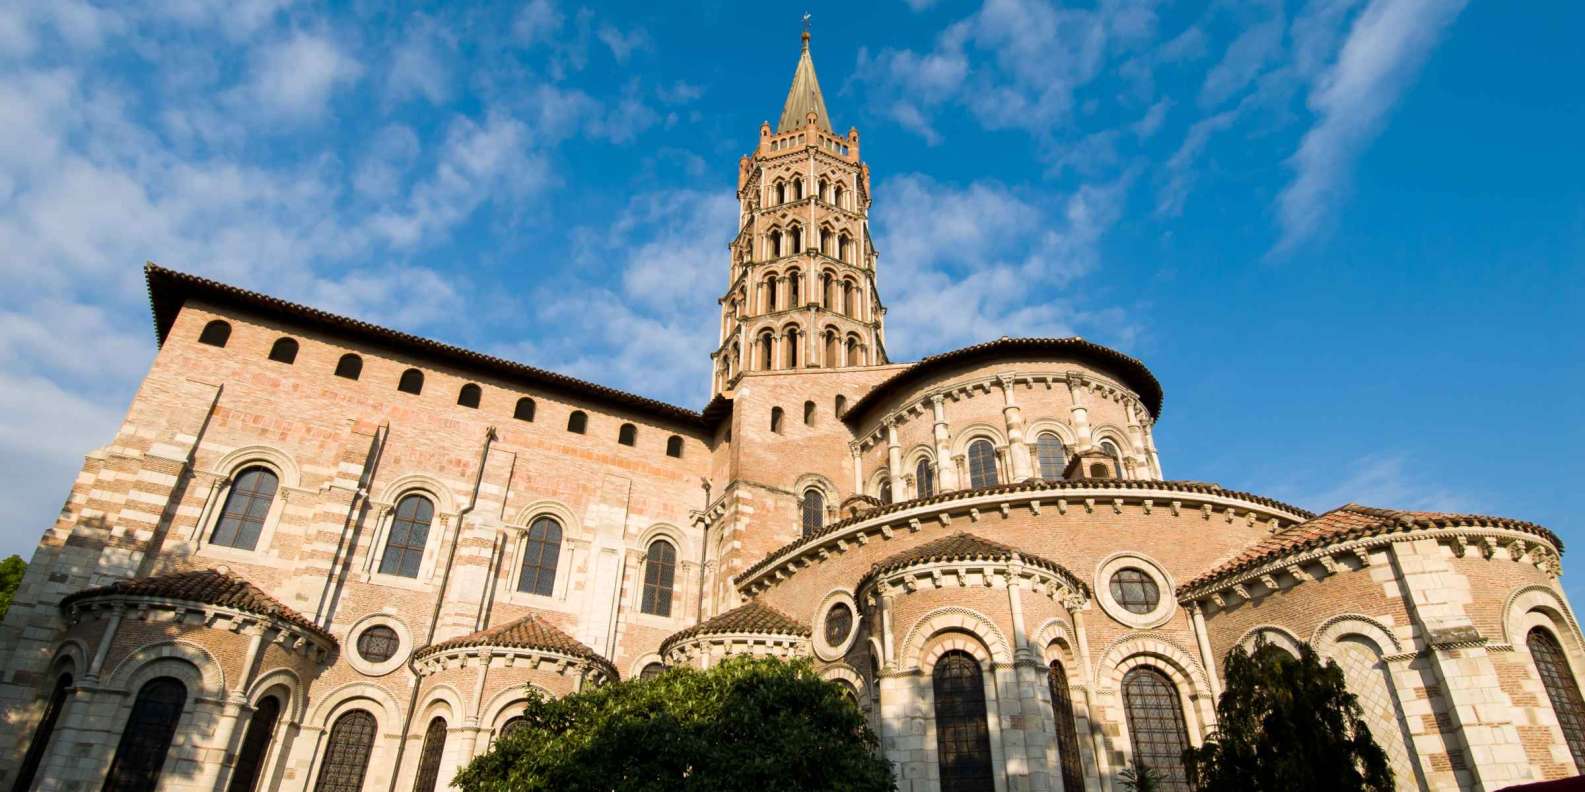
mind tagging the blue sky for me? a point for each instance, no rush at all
(1347, 235)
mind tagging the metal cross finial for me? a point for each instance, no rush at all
(806, 21)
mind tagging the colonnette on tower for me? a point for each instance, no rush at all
(321, 554)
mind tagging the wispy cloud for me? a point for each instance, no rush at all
(292, 79)
(1385, 480)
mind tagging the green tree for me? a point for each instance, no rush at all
(1287, 724)
(753, 724)
(11, 571)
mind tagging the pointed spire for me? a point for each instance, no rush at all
(805, 96)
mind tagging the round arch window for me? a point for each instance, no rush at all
(839, 623)
(378, 644)
(1135, 590)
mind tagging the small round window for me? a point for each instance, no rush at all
(378, 644)
(839, 623)
(1135, 591)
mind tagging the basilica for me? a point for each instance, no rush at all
(324, 555)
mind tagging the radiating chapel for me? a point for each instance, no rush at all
(325, 555)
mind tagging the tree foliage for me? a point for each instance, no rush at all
(1289, 724)
(753, 724)
(11, 571)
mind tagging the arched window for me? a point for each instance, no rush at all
(674, 446)
(513, 724)
(216, 333)
(828, 292)
(853, 352)
(347, 753)
(775, 419)
(404, 547)
(924, 479)
(766, 348)
(791, 342)
(146, 736)
(1067, 732)
(1155, 725)
(577, 422)
(41, 735)
(841, 405)
(350, 366)
(775, 244)
(814, 511)
(823, 186)
(781, 192)
(524, 411)
(1110, 449)
(660, 568)
(795, 239)
(469, 396)
(412, 381)
(1052, 454)
(848, 307)
(963, 741)
(627, 434)
(794, 289)
(1558, 679)
(833, 350)
(429, 755)
(797, 189)
(825, 242)
(255, 745)
(247, 504)
(982, 464)
(836, 195)
(541, 552)
(770, 293)
(651, 671)
(844, 246)
(886, 490)
(284, 350)
(809, 413)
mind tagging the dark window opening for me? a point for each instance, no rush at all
(255, 745)
(284, 350)
(1552, 665)
(1155, 725)
(541, 554)
(775, 419)
(577, 422)
(350, 366)
(404, 547)
(146, 737)
(429, 756)
(660, 567)
(41, 735)
(924, 479)
(814, 511)
(347, 753)
(216, 333)
(524, 411)
(809, 413)
(674, 446)
(412, 381)
(627, 435)
(1067, 731)
(469, 396)
(963, 743)
(378, 643)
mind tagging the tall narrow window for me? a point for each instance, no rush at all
(852, 358)
(795, 239)
(794, 289)
(216, 333)
(524, 411)
(469, 396)
(284, 350)
(541, 553)
(660, 567)
(775, 244)
(814, 511)
(146, 736)
(840, 406)
(248, 503)
(797, 189)
(963, 742)
(347, 753)
(412, 381)
(41, 735)
(350, 366)
(1052, 454)
(404, 547)
(833, 350)
(836, 196)
(1067, 732)
(255, 745)
(771, 303)
(791, 342)
(809, 413)
(1155, 725)
(577, 422)
(627, 434)
(886, 490)
(429, 756)
(982, 464)
(825, 242)
(674, 446)
(924, 479)
(766, 349)
(845, 248)
(775, 419)
(1110, 449)
(1558, 679)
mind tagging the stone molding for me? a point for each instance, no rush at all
(288, 636)
(512, 657)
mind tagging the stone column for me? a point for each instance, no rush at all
(1082, 438)
(1202, 640)
(858, 470)
(946, 473)
(894, 461)
(1019, 468)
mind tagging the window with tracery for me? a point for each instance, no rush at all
(541, 552)
(660, 569)
(1053, 455)
(347, 753)
(429, 756)
(41, 736)
(404, 546)
(248, 503)
(1558, 679)
(814, 511)
(378, 643)
(1155, 725)
(146, 736)
(982, 464)
(963, 743)
(1067, 733)
(1135, 590)
(255, 745)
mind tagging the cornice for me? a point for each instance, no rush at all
(512, 656)
(1060, 587)
(290, 637)
(773, 644)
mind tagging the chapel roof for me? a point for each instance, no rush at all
(169, 290)
(529, 632)
(1129, 370)
(204, 586)
(804, 97)
(964, 546)
(750, 618)
(1350, 521)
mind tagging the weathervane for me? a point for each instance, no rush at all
(806, 21)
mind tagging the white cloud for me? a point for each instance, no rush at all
(622, 45)
(537, 21)
(1383, 52)
(1248, 54)
(1150, 122)
(420, 66)
(1180, 167)
(292, 80)
(1385, 480)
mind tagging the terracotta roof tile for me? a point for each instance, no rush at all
(206, 586)
(1350, 521)
(530, 632)
(752, 618)
(964, 546)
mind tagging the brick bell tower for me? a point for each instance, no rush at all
(801, 292)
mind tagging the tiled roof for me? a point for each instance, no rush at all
(169, 290)
(1129, 370)
(530, 632)
(1032, 485)
(751, 618)
(1351, 521)
(206, 586)
(964, 546)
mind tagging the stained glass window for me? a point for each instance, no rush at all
(1052, 454)
(347, 754)
(146, 737)
(1558, 680)
(660, 567)
(982, 464)
(963, 743)
(1067, 732)
(242, 518)
(404, 547)
(1155, 726)
(541, 551)
(429, 756)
